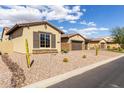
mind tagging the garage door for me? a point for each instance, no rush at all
(76, 45)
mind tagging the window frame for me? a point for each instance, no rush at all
(45, 40)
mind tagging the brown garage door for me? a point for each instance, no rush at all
(76, 45)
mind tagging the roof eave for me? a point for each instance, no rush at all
(25, 25)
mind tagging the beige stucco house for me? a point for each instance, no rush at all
(102, 43)
(42, 37)
(98, 42)
(72, 42)
(110, 43)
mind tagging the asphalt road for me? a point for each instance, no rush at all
(110, 75)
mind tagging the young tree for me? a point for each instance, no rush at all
(118, 35)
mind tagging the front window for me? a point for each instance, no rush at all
(45, 40)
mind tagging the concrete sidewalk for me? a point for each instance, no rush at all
(51, 81)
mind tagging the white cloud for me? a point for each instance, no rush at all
(88, 23)
(72, 21)
(65, 30)
(76, 9)
(103, 29)
(84, 10)
(61, 27)
(91, 24)
(18, 14)
(95, 29)
(83, 22)
(72, 29)
(61, 12)
(88, 31)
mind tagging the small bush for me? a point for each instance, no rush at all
(120, 49)
(108, 47)
(84, 56)
(114, 48)
(122, 46)
(65, 60)
(64, 51)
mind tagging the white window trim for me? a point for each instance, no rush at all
(45, 42)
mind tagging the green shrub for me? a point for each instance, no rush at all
(84, 56)
(65, 51)
(65, 60)
(120, 49)
(97, 50)
(108, 47)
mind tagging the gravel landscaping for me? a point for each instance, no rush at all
(18, 77)
(5, 75)
(16, 73)
(49, 65)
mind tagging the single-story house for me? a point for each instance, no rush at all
(102, 43)
(42, 37)
(72, 42)
(97, 42)
(110, 43)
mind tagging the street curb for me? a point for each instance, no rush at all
(54, 80)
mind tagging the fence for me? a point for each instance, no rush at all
(6, 47)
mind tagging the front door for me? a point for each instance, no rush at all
(103, 46)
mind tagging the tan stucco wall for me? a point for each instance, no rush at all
(76, 37)
(19, 42)
(93, 45)
(65, 46)
(6, 46)
(5, 37)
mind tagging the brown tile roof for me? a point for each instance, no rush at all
(67, 35)
(99, 39)
(96, 39)
(70, 35)
(109, 39)
(32, 24)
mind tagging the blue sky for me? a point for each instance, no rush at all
(91, 21)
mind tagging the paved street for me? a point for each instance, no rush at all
(110, 75)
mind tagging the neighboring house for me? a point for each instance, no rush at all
(5, 37)
(110, 43)
(102, 43)
(98, 42)
(42, 37)
(72, 42)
